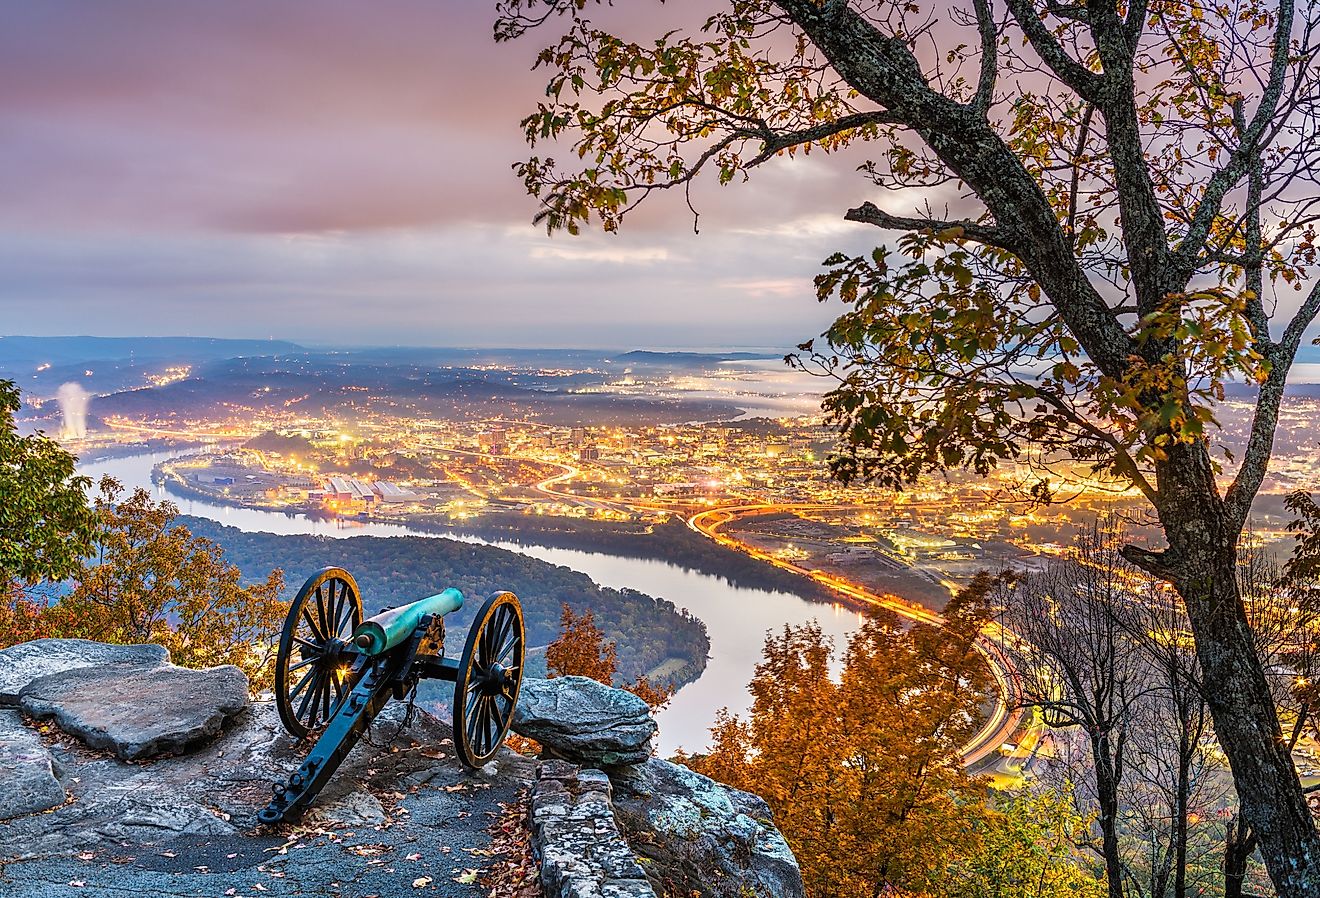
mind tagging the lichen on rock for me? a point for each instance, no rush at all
(585, 722)
(703, 837)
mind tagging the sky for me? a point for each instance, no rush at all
(340, 173)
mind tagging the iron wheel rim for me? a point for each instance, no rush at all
(310, 675)
(490, 677)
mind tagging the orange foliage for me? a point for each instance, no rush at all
(21, 619)
(150, 580)
(581, 650)
(864, 773)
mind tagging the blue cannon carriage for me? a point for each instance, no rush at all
(335, 672)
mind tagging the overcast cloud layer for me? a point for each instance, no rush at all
(339, 172)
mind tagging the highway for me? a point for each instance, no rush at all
(1004, 719)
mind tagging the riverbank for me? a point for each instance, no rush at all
(671, 541)
(652, 634)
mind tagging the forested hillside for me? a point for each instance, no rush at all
(395, 570)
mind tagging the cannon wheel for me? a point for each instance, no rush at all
(310, 672)
(489, 677)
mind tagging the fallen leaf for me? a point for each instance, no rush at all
(421, 882)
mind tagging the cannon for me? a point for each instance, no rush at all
(335, 672)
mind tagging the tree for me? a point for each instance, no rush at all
(1076, 665)
(1170, 755)
(45, 522)
(1137, 197)
(148, 579)
(581, 650)
(865, 775)
(1027, 847)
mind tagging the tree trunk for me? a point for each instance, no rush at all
(1237, 851)
(1107, 777)
(1180, 811)
(1203, 558)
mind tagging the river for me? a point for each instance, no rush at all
(736, 618)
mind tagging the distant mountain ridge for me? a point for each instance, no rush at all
(20, 350)
(648, 356)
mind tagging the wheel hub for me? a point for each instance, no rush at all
(495, 679)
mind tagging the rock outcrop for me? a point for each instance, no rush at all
(29, 773)
(184, 825)
(581, 850)
(136, 711)
(697, 836)
(583, 722)
(148, 778)
(21, 664)
(694, 835)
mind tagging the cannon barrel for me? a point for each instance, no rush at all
(388, 629)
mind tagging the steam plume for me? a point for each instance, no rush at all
(73, 406)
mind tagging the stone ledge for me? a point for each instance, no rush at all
(584, 722)
(30, 784)
(574, 835)
(136, 711)
(22, 664)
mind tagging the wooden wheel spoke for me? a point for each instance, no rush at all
(508, 648)
(486, 720)
(331, 610)
(301, 684)
(500, 715)
(478, 718)
(483, 642)
(322, 609)
(307, 643)
(492, 725)
(488, 634)
(306, 615)
(303, 663)
(506, 627)
(345, 619)
(307, 697)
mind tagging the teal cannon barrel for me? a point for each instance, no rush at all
(386, 630)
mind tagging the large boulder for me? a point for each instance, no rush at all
(697, 837)
(21, 664)
(30, 783)
(585, 722)
(137, 711)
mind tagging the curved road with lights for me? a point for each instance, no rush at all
(1003, 720)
